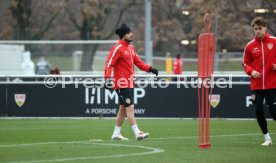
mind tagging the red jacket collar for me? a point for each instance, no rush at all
(265, 37)
(124, 43)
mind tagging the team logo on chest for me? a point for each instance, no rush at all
(126, 52)
(270, 46)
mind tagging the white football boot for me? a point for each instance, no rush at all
(267, 143)
(141, 135)
(118, 137)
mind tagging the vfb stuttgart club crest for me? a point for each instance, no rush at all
(270, 46)
(214, 100)
(20, 99)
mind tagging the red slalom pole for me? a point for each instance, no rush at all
(205, 72)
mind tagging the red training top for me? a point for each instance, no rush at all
(177, 66)
(260, 55)
(122, 58)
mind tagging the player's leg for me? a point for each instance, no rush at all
(130, 115)
(126, 95)
(126, 100)
(271, 102)
(140, 135)
(118, 125)
(120, 118)
(258, 100)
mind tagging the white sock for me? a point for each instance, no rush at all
(135, 129)
(117, 130)
(267, 137)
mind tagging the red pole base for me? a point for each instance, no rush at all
(205, 145)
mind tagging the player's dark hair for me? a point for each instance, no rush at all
(122, 30)
(260, 21)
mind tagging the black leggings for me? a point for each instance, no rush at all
(258, 97)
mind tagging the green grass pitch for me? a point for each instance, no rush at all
(170, 141)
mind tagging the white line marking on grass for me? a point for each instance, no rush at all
(95, 140)
(152, 151)
(166, 138)
(22, 128)
(17, 128)
(196, 137)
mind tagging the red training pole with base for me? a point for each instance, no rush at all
(206, 46)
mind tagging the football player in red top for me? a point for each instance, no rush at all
(259, 63)
(121, 60)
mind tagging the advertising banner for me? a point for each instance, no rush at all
(174, 101)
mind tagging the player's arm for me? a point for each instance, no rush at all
(247, 60)
(274, 58)
(113, 56)
(109, 64)
(142, 66)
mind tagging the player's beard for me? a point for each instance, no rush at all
(128, 39)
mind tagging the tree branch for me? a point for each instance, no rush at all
(71, 15)
(127, 7)
(108, 12)
(72, 18)
(39, 35)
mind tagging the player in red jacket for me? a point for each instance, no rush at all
(121, 60)
(177, 66)
(260, 63)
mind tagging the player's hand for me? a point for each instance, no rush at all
(274, 67)
(154, 70)
(108, 83)
(255, 74)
